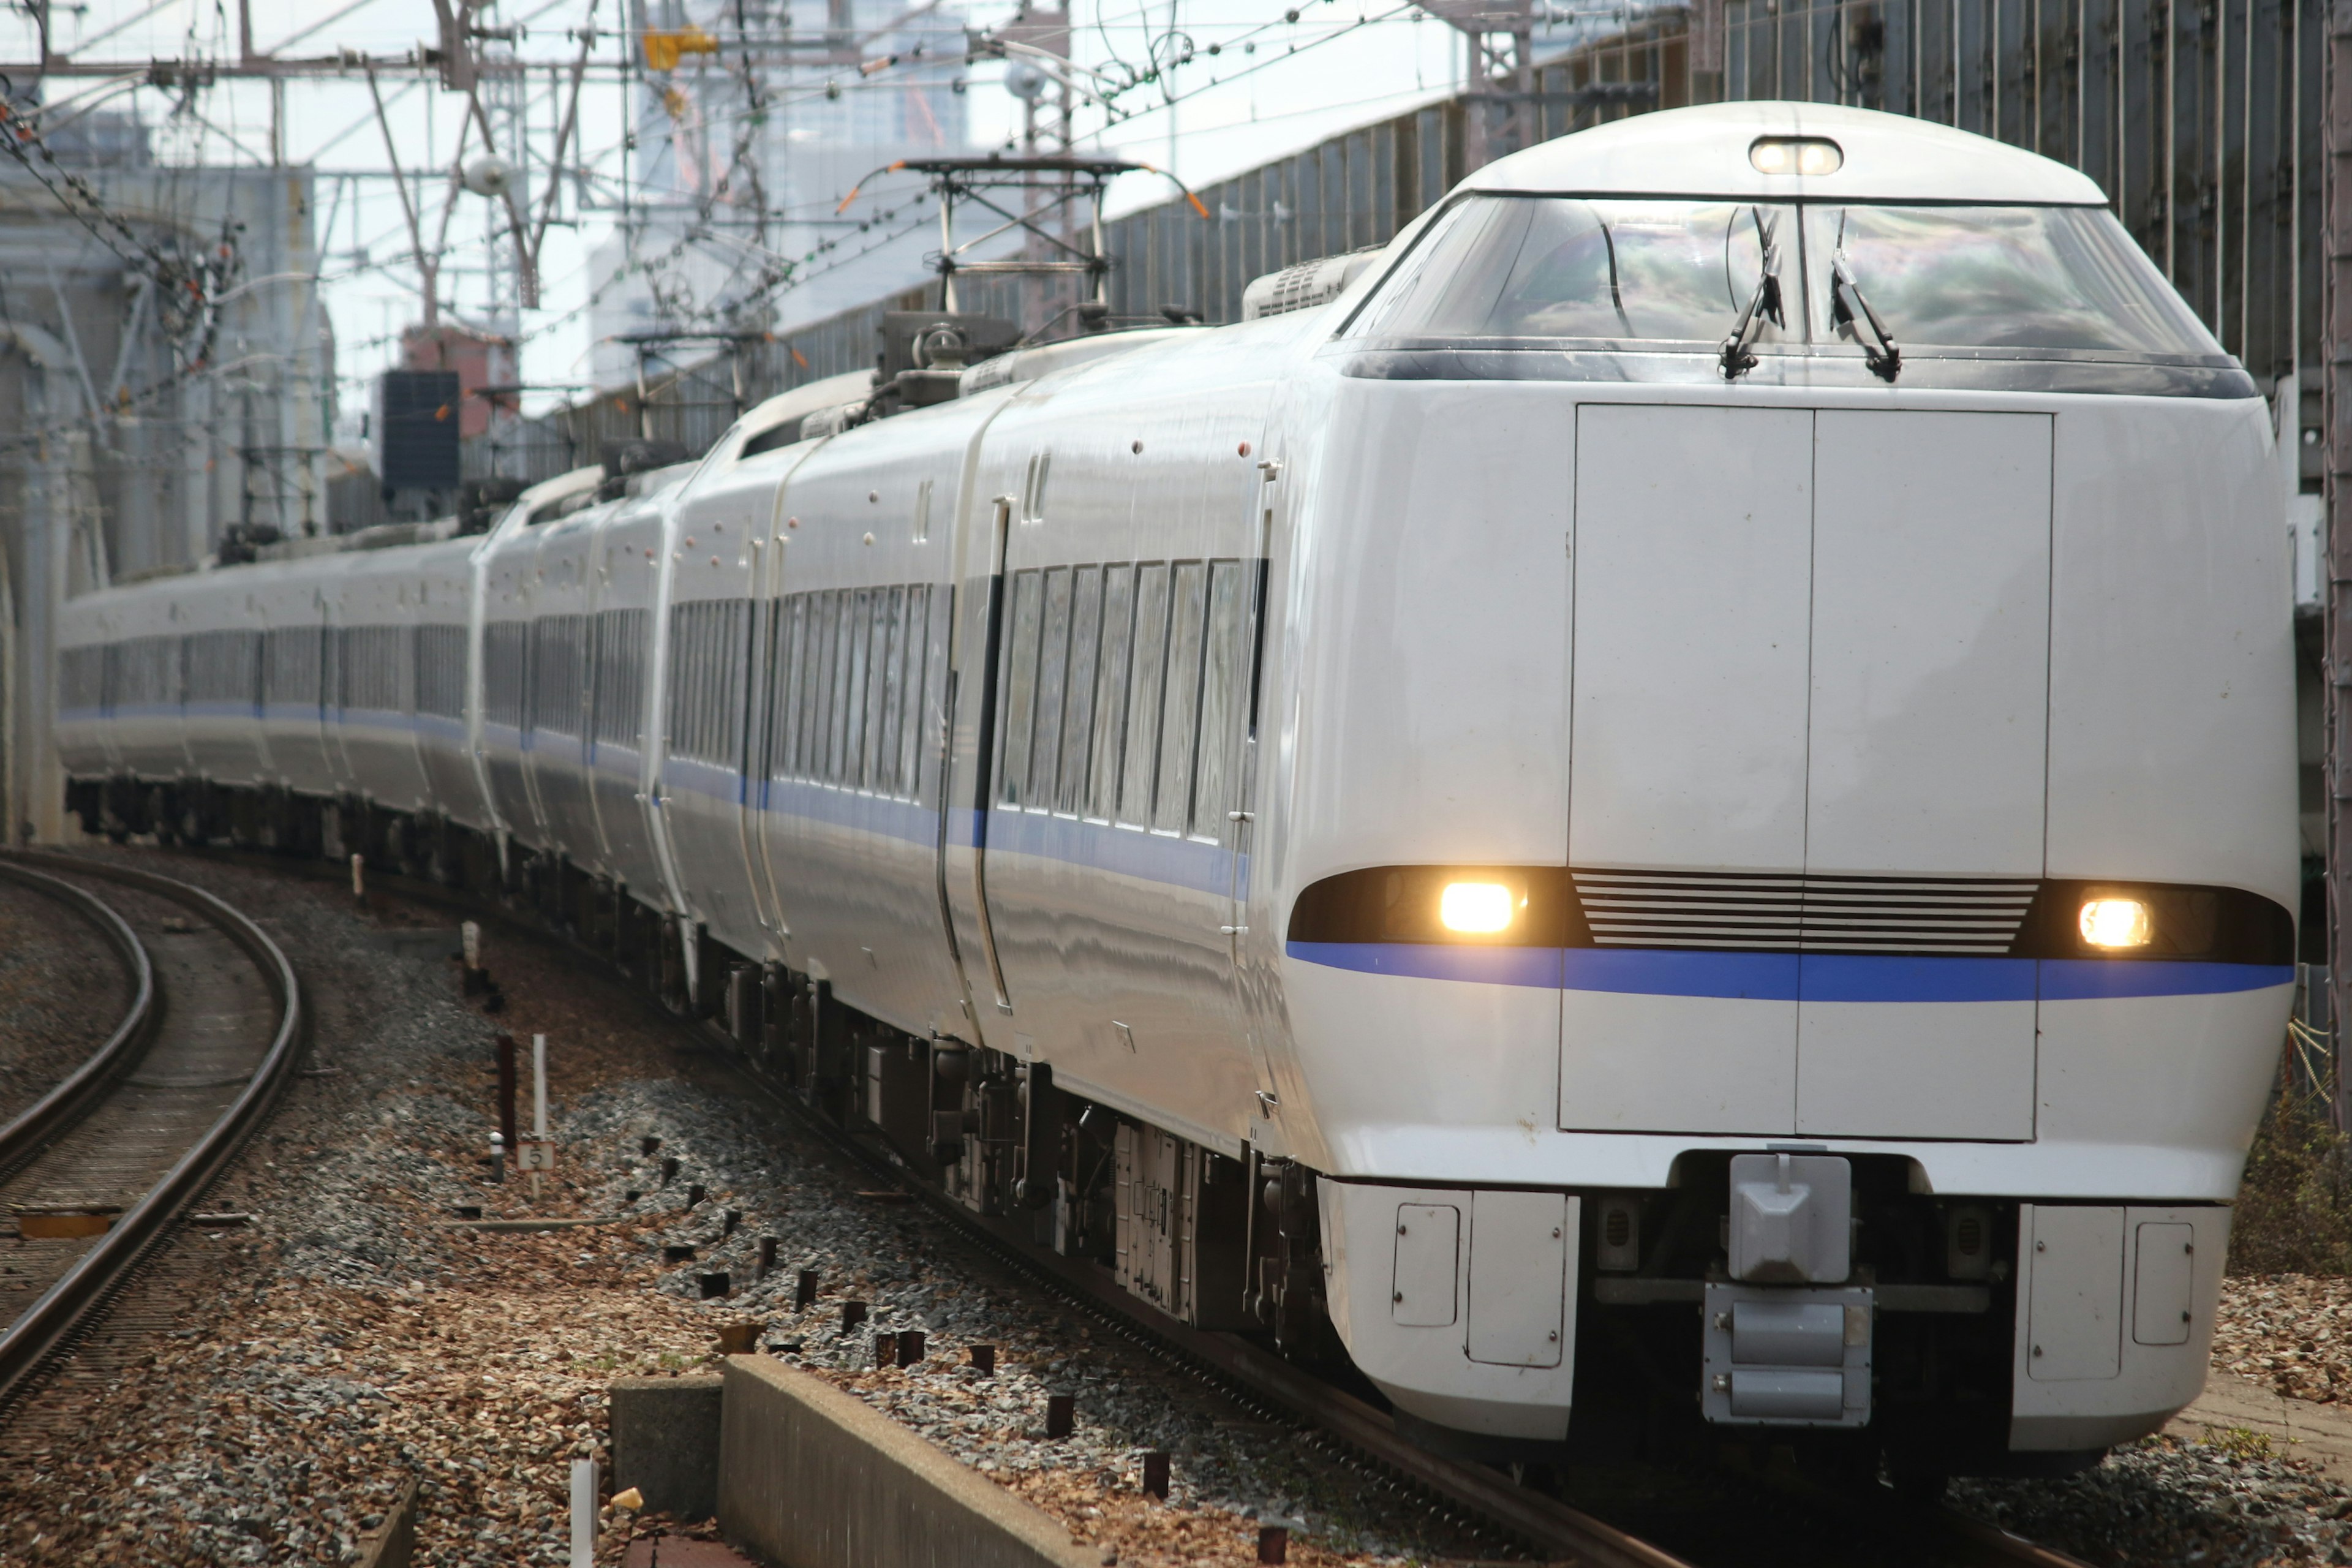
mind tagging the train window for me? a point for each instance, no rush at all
(919, 643)
(617, 703)
(1223, 698)
(1078, 703)
(370, 665)
(557, 661)
(1110, 692)
(224, 669)
(679, 707)
(1180, 715)
(440, 671)
(1052, 672)
(844, 684)
(148, 673)
(791, 688)
(1020, 687)
(824, 614)
(1520, 266)
(1145, 667)
(505, 654)
(856, 703)
(2002, 277)
(292, 661)
(890, 646)
(873, 657)
(705, 685)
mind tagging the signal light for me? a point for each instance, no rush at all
(1795, 155)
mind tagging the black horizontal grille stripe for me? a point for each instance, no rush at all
(1813, 914)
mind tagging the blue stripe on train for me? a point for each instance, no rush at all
(1791, 977)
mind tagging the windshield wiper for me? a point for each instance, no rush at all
(1739, 356)
(1850, 311)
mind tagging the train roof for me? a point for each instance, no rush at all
(1704, 151)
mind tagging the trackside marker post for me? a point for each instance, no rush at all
(583, 1513)
(539, 1154)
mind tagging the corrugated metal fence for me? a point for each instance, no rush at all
(2200, 120)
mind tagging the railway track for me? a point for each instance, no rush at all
(1276, 1390)
(101, 1169)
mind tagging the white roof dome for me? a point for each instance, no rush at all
(1703, 151)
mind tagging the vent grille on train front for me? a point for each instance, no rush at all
(1803, 913)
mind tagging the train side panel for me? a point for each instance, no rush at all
(1134, 550)
(850, 770)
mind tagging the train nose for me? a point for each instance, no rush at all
(1807, 807)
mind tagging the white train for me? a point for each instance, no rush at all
(1676, 808)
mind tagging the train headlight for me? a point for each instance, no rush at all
(1795, 155)
(2116, 923)
(1476, 908)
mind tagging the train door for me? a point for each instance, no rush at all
(976, 657)
(1807, 727)
(1238, 667)
(1927, 728)
(1690, 578)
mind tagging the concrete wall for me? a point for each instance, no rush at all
(810, 1476)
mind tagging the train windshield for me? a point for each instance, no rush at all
(2014, 279)
(2001, 278)
(1539, 268)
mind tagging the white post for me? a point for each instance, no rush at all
(471, 934)
(539, 1086)
(583, 1513)
(538, 1103)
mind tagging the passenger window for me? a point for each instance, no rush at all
(817, 681)
(1222, 697)
(918, 642)
(1110, 692)
(843, 693)
(856, 703)
(784, 693)
(893, 647)
(1180, 714)
(1053, 668)
(1078, 706)
(1147, 664)
(1020, 686)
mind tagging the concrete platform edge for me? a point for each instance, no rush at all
(810, 1476)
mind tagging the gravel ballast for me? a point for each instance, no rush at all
(62, 991)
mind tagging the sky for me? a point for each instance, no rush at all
(1273, 85)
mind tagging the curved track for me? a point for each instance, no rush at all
(1324, 1414)
(124, 1146)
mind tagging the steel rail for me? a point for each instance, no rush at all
(48, 1116)
(49, 1323)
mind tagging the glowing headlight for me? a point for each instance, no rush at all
(2116, 923)
(1795, 155)
(1480, 909)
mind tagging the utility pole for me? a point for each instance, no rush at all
(1500, 38)
(2336, 337)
